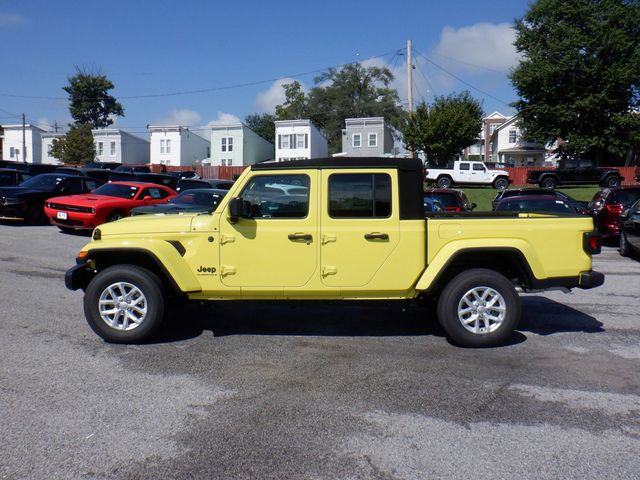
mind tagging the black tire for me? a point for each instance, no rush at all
(444, 182)
(611, 181)
(549, 182)
(34, 214)
(136, 280)
(500, 183)
(115, 215)
(624, 244)
(493, 287)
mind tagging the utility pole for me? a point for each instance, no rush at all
(24, 140)
(410, 87)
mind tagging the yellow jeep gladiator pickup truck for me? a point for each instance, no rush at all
(332, 229)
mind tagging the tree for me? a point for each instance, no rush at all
(350, 92)
(443, 129)
(579, 77)
(262, 124)
(89, 100)
(76, 147)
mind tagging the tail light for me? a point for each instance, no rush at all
(614, 208)
(452, 209)
(592, 243)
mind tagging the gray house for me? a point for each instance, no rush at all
(236, 145)
(367, 137)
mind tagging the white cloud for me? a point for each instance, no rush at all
(266, 101)
(182, 117)
(12, 20)
(481, 45)
(223, 119)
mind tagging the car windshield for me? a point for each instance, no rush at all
(117, 190)
(445, 199)
(47, 181)
(198, 197)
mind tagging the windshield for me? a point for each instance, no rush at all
(43, 181)
(117, 190)
(198, 197)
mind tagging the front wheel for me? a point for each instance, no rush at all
(479, 308)
(115, 215)
(624, 244)
(500, 183)
(124, 304)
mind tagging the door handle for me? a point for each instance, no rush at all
(376, 236)
(307, 237)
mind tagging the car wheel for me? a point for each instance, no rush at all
(124, 304)
(500, 183)
(115, 215)
(612, 181)
(624, 244)
(444, 182)
(479, 308)
(549, 183)
(34, 214)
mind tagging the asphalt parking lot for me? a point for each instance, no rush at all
(313, 391)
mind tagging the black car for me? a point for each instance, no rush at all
(30, 168)
(157, 178)
(97, 173)
(580, 206)
(10, 177)
(103, 165)
(183, 174)
(133, 169)
(189, 183)
(189, 201)
(537, 204)
(26, 201)
(629, 224)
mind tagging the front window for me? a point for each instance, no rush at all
(112, 149)
(357, 140)
(226, 144)
(373, 139)
(117, 190)
(360, 195)
(162, 146)
(278, 196)
(464, 166)
(512, 136)
(478, 167)
(100, 149)
(168, 145)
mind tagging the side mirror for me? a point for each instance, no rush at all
(147, 198)
(239, 208)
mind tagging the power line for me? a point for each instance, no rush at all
(426, 79)
(470, 64)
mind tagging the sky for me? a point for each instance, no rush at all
(196, 62)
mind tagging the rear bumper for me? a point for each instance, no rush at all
(584, 280)
(590, 279)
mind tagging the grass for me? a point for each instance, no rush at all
(482, 196)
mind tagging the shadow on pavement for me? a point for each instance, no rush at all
(543, 316)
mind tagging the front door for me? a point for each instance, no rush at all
(277, 246)
(360, 225)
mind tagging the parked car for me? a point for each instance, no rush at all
(110, 202)
(607, 205)
(103, 165)
(629, 227)
(516, 192)
(184, 174)
(190, 201)
(133, 169)
(469, 173)
(450, 199)
(98, 173)
(537, 204)
(575, 171)
(30, 168)
(26, 201)
(431, 205)
(190, 183)
(159, 178)
(10, 177)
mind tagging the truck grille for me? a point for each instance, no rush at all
(70, 208)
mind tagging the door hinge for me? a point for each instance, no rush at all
(227, 239)
(328, 238)
(329, 270)
(227, 270)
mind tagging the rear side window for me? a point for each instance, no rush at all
(464, 166)
(360, 195)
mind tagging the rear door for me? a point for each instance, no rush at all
(360, 225)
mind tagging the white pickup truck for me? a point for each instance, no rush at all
(467, 172)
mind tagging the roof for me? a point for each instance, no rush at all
(343, 162)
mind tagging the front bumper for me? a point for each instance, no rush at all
(78, 276)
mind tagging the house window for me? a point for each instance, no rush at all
(356, 140)
(226, 144)
(373, 139)
(12, 152)
(49, 147)
(168, 145)
(284, 141)
(301, 140)
(162, 147)
(112, 149)
(512, 136)
(100, 149)
(360, 195)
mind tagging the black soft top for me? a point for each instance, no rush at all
(410, 182)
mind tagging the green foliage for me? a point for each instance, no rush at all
(579, 77)
(350, 92)
(89, 100)
(262, 124)
(443, 129)
(76, 147)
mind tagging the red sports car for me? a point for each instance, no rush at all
(107, 203)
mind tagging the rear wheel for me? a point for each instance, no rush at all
(479, 308)
(444, 182)
(500, 183)
(549, 183)
(624, 244)
(612, 181)
(124, 304)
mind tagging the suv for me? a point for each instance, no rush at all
(608, 204)
(450, 199)
(575, 171)
(580, 206)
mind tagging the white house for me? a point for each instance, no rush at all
(299, 140)
(508, 145)
(236, 145)
(367, 137)
(47, 144)
(12, 143)
(173, 145)
(115, 145)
